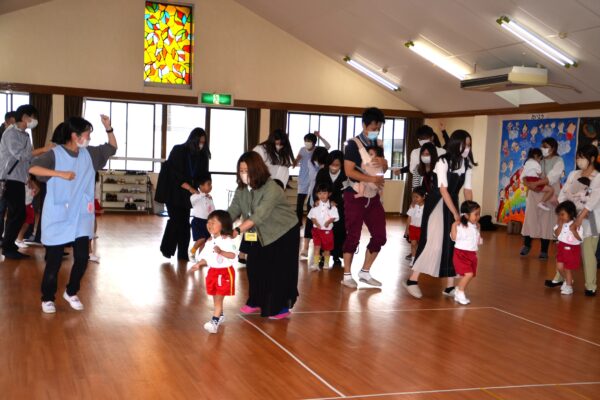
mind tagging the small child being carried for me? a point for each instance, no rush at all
(368, 189)
(322, 215)
(202, 206)
(532, 172)
(220, 254)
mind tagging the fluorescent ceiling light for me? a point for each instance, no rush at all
(445, 62)
(536, 42)
(371, 74)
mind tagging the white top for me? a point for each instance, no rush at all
(215, 260)
(415, 157)
(280, 172)
(531, 169)
(202, 205)
(468, 237)
(556, 172)
(566, 236)
(324, 212)
(588, 198)
(416, 215)
(441, 170)
(28, 195)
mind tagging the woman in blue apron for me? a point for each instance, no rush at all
(69, 171)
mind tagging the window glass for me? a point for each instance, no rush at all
(227, 136)
(180, 122)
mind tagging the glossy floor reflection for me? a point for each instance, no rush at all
(141, 334)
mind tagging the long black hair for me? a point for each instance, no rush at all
(193, 142)
(534, 152)
(466, 208)
(335, 155)
(75, 125)
(456, 145)
(422, 167)
(319, 156)
(285, 156)
(590, 153)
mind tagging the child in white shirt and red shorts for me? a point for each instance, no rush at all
(322, 215)
(220, 254)
(467, 238)
(415, 215)
(568, 252)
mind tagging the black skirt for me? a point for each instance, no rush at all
(273, 274)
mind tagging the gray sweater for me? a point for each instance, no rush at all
(15, 146)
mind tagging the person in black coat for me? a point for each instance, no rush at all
(333, 175)
(186, 164)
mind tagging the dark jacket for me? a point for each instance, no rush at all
(337, 194)
(181, 166)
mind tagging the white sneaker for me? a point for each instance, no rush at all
(566, 289)
(21, 244)
(304, 253)
(413, 290)
(460, 297)
(94, 258)
(450, 293)
(48, 307)
(73, 301)
(221, 319)
(313, 267)
(211, 326)
(543, 206)
(349, 282)
(366, 277)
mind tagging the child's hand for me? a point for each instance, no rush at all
(66, 175)
(195, 268)
(329, 222)
(217, 249)
(317, 202)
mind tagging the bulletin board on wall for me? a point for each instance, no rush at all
(518, 136)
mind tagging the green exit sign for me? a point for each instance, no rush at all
(220, 99)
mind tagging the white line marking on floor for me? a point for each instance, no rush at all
(458, 390)
(547, 327)
(299, 361)
(395, 310)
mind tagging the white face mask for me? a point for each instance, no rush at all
(83, 144)
(545, 151)
(422, 142)
(466, 152)
(201, 146)
(308, 145)
(278, 147)
(32, 124)
(244, 177)
(582, 163)
(426, 159)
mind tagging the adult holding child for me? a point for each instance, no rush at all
(68, 214)
(270, 223)
(539, 222)
(186, 165)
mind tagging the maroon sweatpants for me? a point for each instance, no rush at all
(369, 211)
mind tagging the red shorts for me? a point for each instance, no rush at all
(323, 239)
(414, 233)
(465, 262)
(569, 255)
(29, 214)
(220, 282)
(535, 179)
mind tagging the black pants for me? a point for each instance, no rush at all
(177, 233)
(300, 206)
(54, 256)
(15, 214)
(545, 243)
(2, 215)
(42, 197)
(339, 236)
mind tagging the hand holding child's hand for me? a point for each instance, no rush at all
(195, 268)
(67, 175)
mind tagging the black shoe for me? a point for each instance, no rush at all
(551, 284)
(15, 255)
(337, 262)
(543, 256)
(524, 251)
(321, 262)
(590, 293)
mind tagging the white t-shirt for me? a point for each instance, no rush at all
(279, 172)
(202, 205)
(215, 260)
(566, 236)
(468, 237)
(441, 170)
(324, 212)
(531, 169)
(416, 215)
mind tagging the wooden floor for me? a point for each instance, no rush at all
(141, 335)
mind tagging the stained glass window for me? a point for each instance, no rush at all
(167, 44)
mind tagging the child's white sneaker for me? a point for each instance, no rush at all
(313, 267)
(48, 307)
(460, 297)
(566, 289)
(94, 258)
(21, 244)
(543, 206)
(211, 326)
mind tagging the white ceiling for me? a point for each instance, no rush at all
(377, 30)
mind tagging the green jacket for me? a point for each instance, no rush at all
(268, 208)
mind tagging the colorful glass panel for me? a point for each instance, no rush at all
(167, 43)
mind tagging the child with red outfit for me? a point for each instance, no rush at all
(220, 254)
(568, 253)
(415, 215)
(322, 215)
(467, 238)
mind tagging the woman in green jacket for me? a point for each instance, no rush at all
(270, 224)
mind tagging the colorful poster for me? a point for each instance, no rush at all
(589, 131)
(518, 136)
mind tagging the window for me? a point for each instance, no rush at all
(227, 134)
(180, 122)
(167, 44)
(137, 128)
(11, 101)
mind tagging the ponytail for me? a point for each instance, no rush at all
(466, 208)
(464, 220)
